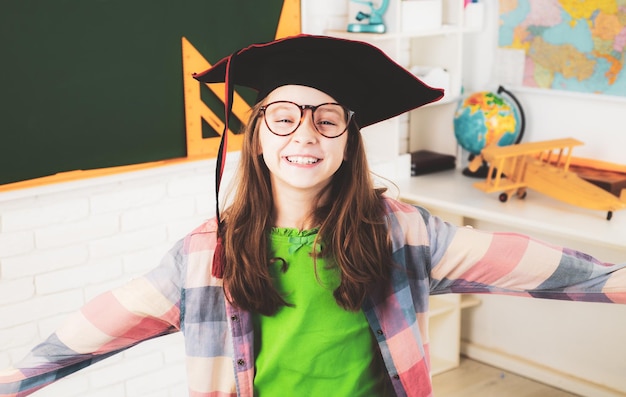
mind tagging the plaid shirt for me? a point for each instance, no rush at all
(429, 257)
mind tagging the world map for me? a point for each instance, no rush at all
(570, 45)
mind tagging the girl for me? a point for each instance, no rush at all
(312, 282)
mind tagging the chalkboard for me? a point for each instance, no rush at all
(99, 83)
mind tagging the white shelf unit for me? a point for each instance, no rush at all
(444, 332)
(444, 329)
(429, 127)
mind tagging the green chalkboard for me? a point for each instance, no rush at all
(98, 83)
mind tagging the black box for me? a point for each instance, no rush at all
(426, 162)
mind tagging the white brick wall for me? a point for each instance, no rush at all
(61, 245)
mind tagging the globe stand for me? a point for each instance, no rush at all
(481, 172)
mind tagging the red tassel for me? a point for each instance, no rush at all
(219, 258)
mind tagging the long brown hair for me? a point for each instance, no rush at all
(352, 227)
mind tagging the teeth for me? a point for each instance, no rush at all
(302, 160)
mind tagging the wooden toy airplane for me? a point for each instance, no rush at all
(544, 167)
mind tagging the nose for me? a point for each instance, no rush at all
(306, 131)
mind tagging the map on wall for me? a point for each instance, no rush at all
(569, 45)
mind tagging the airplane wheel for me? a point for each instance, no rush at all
(609, 215)
(503, 197)
(521, 194)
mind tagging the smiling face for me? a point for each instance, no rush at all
(304, 161)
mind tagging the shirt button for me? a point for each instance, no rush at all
(396, 376)
(379, 332)
(234, 317)
(241, 362)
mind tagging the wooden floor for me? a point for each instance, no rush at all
(474, 379)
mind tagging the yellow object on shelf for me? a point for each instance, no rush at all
(543, 167)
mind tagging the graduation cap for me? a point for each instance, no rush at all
(356, 74)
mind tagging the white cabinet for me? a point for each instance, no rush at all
(444, 329)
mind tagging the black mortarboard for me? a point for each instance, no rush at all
(356, 74)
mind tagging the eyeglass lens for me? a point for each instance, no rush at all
(329, 119)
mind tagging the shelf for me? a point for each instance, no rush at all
(444, 332)
(453, 193)
(440, 305)
(373, 37)
(468, 301)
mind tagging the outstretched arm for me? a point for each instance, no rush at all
(144, 308)
(470, 261)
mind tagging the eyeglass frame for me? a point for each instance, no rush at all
(313, 108)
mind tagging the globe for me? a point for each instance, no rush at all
(485, 118)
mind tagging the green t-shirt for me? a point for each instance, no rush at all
(314, 348)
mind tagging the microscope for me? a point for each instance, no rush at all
(373, 20)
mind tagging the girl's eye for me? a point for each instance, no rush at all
(328, 115)
(327, 122)
(282, 118)
(284, 114)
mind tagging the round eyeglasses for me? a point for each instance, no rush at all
(284, 117)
